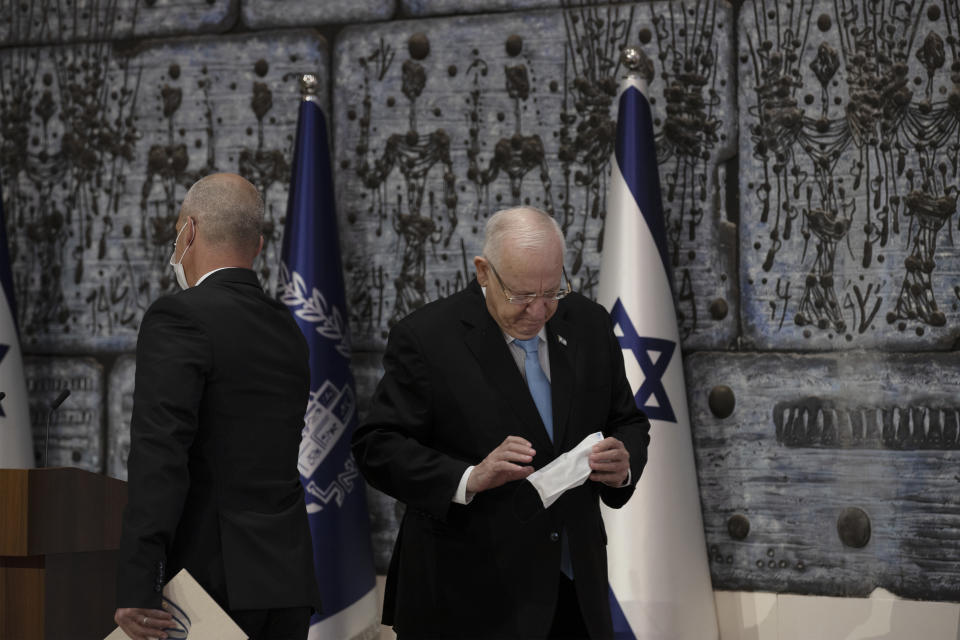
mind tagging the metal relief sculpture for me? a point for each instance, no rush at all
(838, 483)
(101, 143)
(696, 135)
(68, 135)
(120, 382)
(413, 154)
(438, 125)
(852, 122)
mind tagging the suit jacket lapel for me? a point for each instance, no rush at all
(563, 349)
(485, 340)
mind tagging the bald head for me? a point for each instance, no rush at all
(229, 213)
(521, 229)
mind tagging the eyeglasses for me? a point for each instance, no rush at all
(528, 298)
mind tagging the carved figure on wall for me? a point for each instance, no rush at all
(687, 143)
(595, 37)
(414, 155)
(168, 164)
(515, 155)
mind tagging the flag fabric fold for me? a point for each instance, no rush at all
(311, 285)
(659, 575)
(16, 446)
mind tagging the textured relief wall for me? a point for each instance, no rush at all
(839, 482)
(100, 143)
(442, 122)
(808, 160)
(850, 119)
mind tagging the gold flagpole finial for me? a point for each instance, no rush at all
(630, 58)
(637, 62)
(309, 86)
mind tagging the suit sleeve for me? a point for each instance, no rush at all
(626, 423)
(173, 360)
(395, 447)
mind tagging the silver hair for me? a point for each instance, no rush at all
(228, 209)
(527, 228)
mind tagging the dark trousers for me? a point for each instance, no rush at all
(274, 624)
(568, 620)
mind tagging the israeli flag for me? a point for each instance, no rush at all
(659, 577)
(16, 448)
(311, 284)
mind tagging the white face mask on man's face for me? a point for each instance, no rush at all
(178, 265)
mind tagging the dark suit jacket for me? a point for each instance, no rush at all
(221, 388)
(450, 394)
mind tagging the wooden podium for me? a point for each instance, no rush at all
(59, 535)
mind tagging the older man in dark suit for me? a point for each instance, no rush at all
(221, 388)
(479, 390)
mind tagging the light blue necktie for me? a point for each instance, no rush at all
(540, 390)
(537, 382)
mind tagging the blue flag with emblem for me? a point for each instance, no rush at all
(311, 285)
(659, 577)
(16, 447)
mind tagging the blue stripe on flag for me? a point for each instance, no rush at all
(637, 159)
(311, 284)
(6, 275)
(621, 628)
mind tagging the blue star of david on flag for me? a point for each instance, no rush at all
(653, 372)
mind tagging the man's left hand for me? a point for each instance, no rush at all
(610, 462)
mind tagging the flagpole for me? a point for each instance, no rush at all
(657, 558)
(311, 285)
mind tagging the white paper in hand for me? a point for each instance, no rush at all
(569, 470)
(195, 613)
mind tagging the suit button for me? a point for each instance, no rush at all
(554, 536)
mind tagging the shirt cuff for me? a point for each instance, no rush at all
(461, 497)
(626, 483)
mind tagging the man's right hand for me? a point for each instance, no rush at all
(502, 465)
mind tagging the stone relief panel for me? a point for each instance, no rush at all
(259, 14)
(76, 426)
(841, 481)
(119, 411)
(60, 21)
(440, 123)
(99, 147)
(850, 133)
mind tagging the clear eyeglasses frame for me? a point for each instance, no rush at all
(529, 298)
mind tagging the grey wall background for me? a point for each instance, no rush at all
(808, 159)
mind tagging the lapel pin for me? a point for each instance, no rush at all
(562, 340)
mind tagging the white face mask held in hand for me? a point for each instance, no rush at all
(567, 471)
